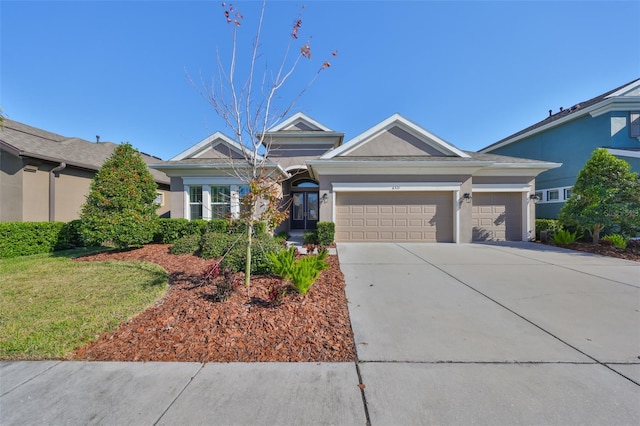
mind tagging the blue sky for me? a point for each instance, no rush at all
(470, 72)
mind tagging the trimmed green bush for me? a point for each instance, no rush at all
(546, 225)
(326, 233)
(217, 225)
(27, 238)
(310, 237)
(170, 230)
(260, 264)
(197, 226)
(216, 244)
(70, 236)
(239, 226)
(120, 207)
(189, 244)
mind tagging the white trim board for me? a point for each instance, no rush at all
(502, 187)
(624, 153)
(395, 186)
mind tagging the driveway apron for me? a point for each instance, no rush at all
(514, 333)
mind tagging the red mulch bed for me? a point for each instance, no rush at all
(187, 324)
(630, 253)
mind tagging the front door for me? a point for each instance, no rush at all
(304, 210)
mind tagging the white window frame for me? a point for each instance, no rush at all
(634, 124)
(564, 193)
(218, 203)
(206, 184)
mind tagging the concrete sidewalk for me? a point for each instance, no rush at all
(445, 333)
(120, 393)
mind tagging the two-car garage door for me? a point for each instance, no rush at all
(425, 216)
(395, 216)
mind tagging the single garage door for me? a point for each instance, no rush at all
(497, 216)
(394, 216)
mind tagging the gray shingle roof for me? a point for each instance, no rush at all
(32, 142)
(473, 157)
(565, 112)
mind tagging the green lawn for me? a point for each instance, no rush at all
(51, 305)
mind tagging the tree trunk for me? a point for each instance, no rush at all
(247, 268)
(596, 233)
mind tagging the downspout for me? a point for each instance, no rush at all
(52, 190)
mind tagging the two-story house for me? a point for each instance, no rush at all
(569, 136)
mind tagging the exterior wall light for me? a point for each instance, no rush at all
(467, 197)
(534, 198)
(325, 197)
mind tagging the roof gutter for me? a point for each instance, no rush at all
(52, 190)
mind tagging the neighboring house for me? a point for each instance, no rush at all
(611, 121)
(394, 182)
(46, 177)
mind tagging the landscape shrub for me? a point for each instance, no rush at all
(239, 226)
(70, 236)
(189, 244)
(27, 238)
(283, 235)
(260, 263)
(546, 225)
(120, 207)
(302, 273)
(197, 226)
(170, 230)
(310, 237)
(217, 225)
(326, 233)
(216, 244)
(616, 240)
(564, 237)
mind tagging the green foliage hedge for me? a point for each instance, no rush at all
(260, 263)
(189, 244)
(326, 233)
(310, 237)
(171, 230)
(216, 244)
(546, 225)
(27, 238)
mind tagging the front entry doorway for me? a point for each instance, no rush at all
(304, 210)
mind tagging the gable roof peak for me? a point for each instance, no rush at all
(396, 120)
(206, 143)
(299, 117)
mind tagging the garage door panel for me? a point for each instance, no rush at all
(497, 216)
(404, 216)
(385, 222)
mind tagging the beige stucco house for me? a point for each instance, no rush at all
(394, 182)
(46, 177)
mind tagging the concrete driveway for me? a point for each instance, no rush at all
(514, 333)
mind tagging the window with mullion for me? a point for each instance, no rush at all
(195, 202)
(220, 201)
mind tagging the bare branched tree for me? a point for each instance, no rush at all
(248, 102)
